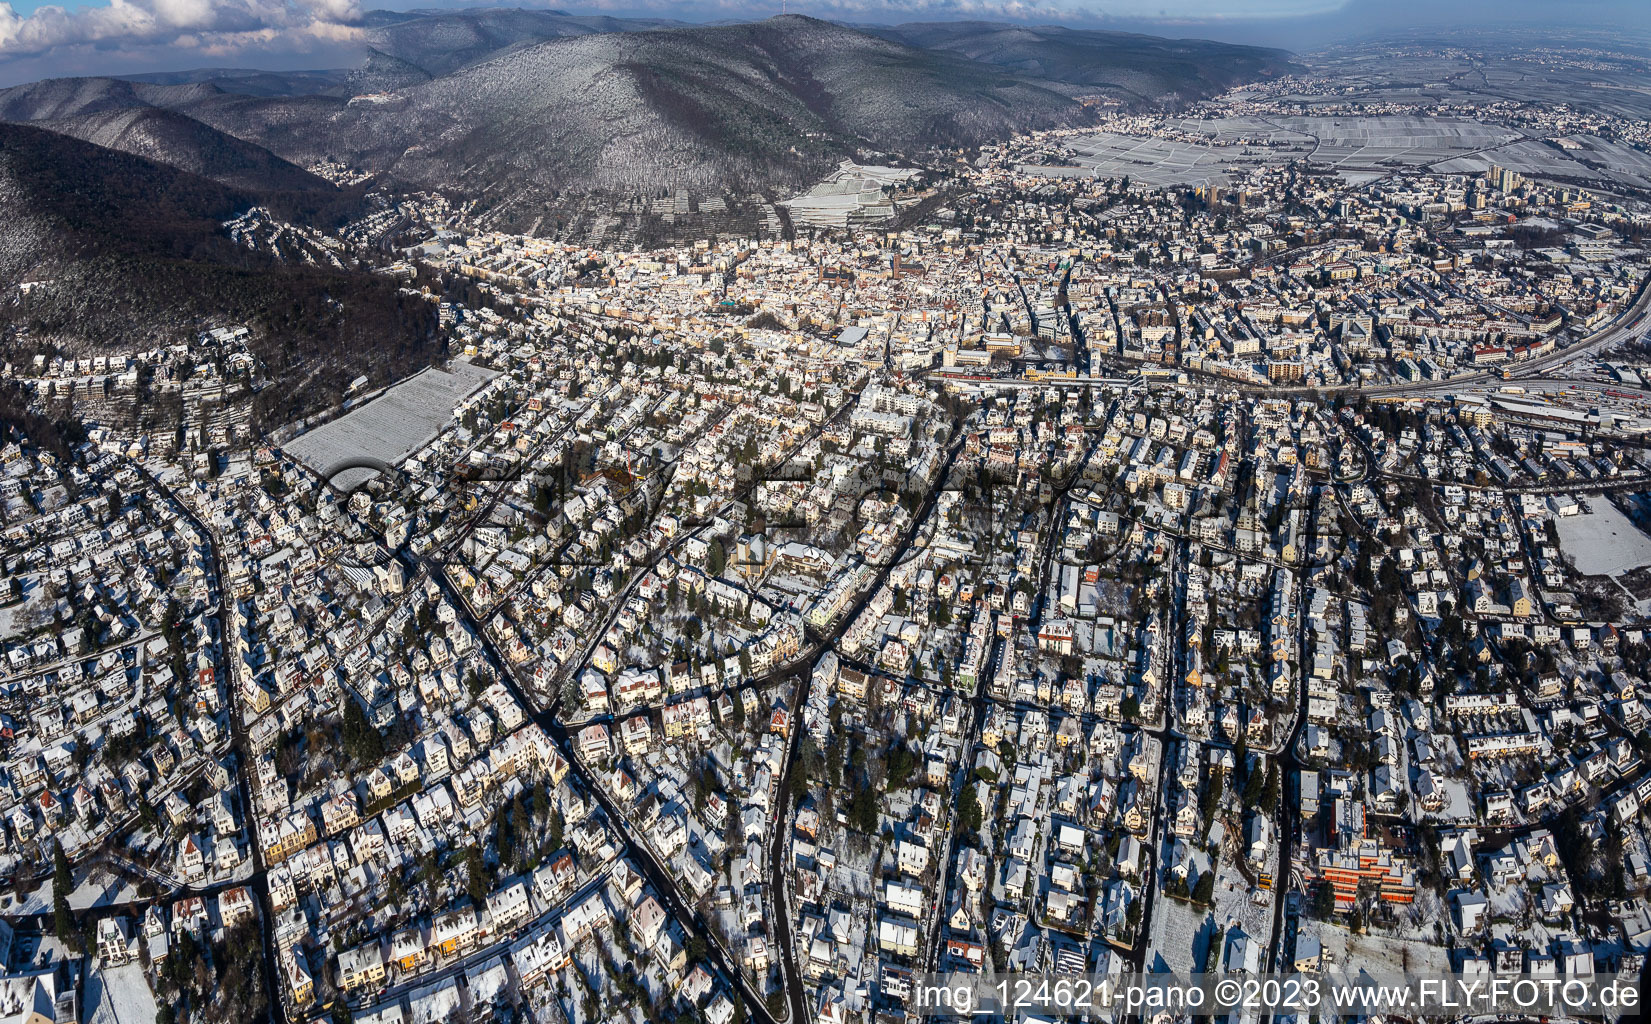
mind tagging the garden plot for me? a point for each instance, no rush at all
(118, 995)
(1179, 935)
(17, 619)
(1419, 954)
(100, 888)
(1236, 905)
(1602, 541)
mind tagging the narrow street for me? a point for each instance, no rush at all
(639, 853)
(258, 882)
(819, 643)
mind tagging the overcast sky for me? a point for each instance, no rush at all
(41, 38)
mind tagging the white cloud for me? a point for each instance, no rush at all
(220, 26)
(211, 25)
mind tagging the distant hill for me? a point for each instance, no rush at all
(170, 138)
(141, 119)
(764, 101)
(381, 72)
(248, 81)
(67, 97)
(1145, 68)
(746, 106)
(121, 252)
(114, 191)
(536, 111)
(441, 42)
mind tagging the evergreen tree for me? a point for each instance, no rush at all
(1204, 891)
(969, 814)
(63, 883)
(362, 742)
(553, 831)
(476, 881)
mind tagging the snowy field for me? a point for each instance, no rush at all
(1180, 935)
(1611, 160)
(1526, 157)
(1420, 953)
(1163, 162)
(391, 426)
(118, 995)
(1358, 147)
(14, 618)
(8, 620)
(1364, 142)
(1603, 542)
(1228, 143)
